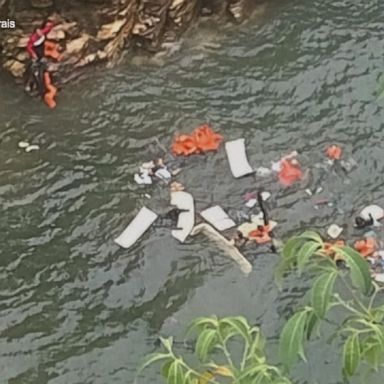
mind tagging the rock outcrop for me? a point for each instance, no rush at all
(92, 31)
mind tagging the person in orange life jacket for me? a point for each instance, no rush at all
(36, 42)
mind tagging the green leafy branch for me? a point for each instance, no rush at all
(216, 364)
(362, 331)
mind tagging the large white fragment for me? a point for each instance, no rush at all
(136, 228)
(334, 231)
(373, 210)
(186, 221)
(237, 158)
(224, 244)
(218, 218)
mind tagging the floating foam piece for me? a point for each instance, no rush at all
(237, 158)
(251, 203)
(163, 174)
(334, 231)
(143, 178)
(23, 144)
(276, 166)
(224, 244)
(32, 148)
(265, 195)
(136, 228)
(218, 218)
(186, 221)
(263, 171)
(375, 211)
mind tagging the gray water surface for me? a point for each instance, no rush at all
(77, 309)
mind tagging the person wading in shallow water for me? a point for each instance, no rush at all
(37, 75)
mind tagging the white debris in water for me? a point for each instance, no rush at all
(23, 144)
(251, 203)
(319, 190)
(375, 211)
(379, 277)
(147, 195)
(381, 254)
(265, 195)
(334, 231)
(276, 166)
(308, 192)
(263, 171)
(32, 148)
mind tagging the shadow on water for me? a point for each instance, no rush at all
(74, 307)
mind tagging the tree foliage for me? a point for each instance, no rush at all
(360, 334)
(216, 364)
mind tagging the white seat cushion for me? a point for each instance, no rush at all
(136, 228)
(237, 158)
(218, 218)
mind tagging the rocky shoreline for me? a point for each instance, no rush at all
(98, 31)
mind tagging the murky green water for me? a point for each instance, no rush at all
(76, 309)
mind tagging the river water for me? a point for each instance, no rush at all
(74, 307)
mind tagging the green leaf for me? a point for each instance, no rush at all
(154, 358)
(351, 355)
(312, 235)
(240, 326)
(165, 368)
(378, 314)
(373, 352)
(289, 255)
(290, 248)
(175, 373)
(205, 342)
(251, 372)
(256, 350)
(312, 322)
(292, 338)
(167, 343)
(203, 322)
(359, 268)
(189, 379)
(321, 293)
(305, 253)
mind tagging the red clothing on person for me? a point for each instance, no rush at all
(37, 40)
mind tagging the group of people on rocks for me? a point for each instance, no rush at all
(37, 76)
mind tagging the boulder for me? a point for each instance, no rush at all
(78, 45)
(109, 31)
(41, 3)
(15, 67)
(101, 55)
(57, 34)
(237, 9)
(176, 4)
(86, 60)
(22, 56)
(139, 29)
(23, 42)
